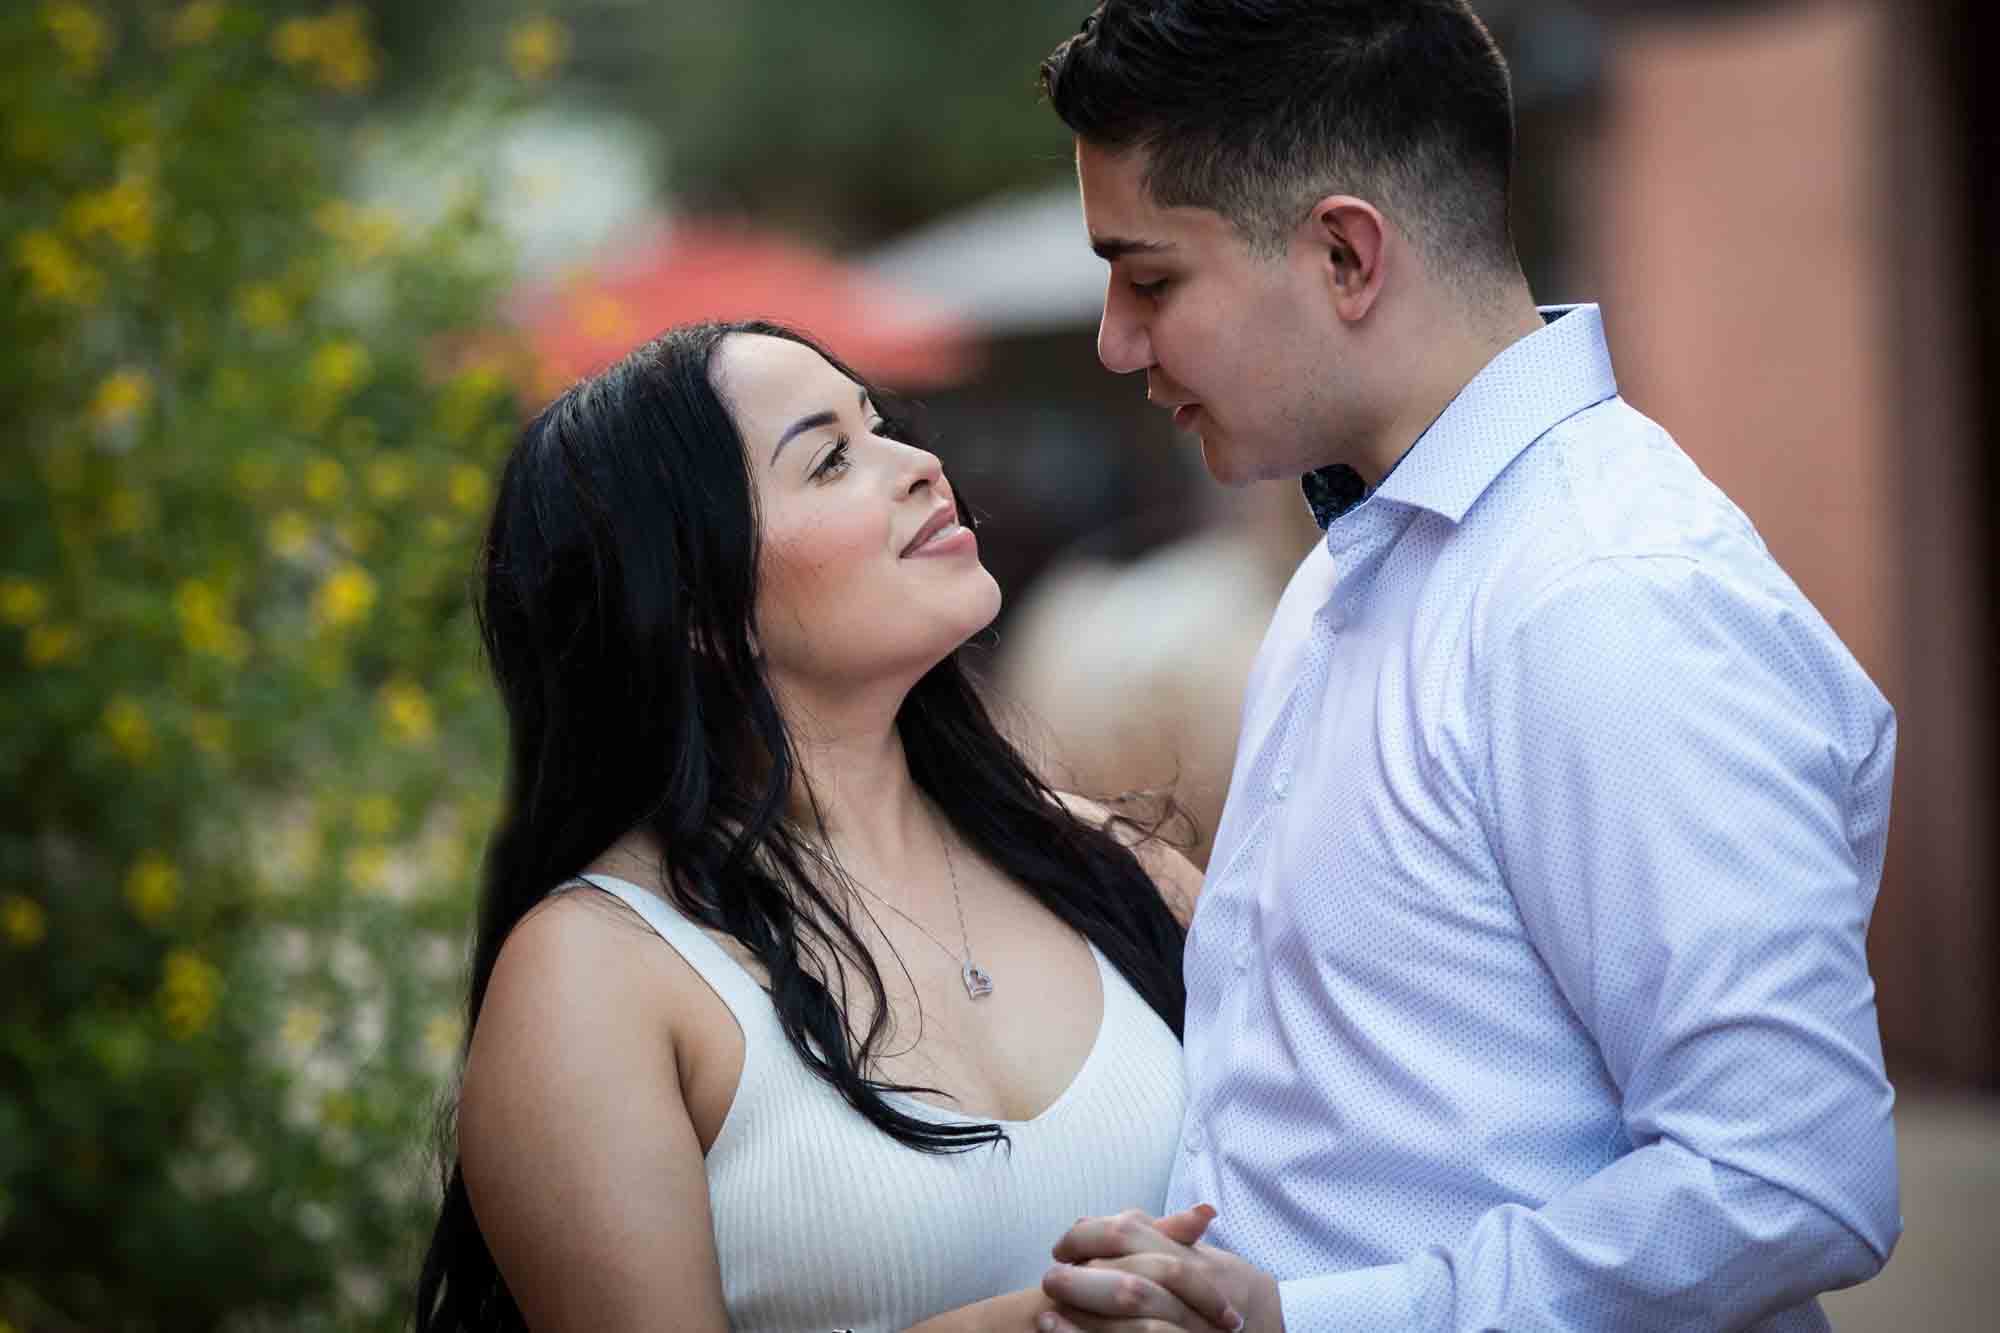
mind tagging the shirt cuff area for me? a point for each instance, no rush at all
(1363, 1300)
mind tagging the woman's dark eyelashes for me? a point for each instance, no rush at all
(835, 461)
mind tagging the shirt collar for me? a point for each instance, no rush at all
(1538, 381)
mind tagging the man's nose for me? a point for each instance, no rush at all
(1122, 343)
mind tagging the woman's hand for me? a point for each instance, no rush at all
(1131, 1273)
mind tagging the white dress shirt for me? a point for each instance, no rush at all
(1527, 989)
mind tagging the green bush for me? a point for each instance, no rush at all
(248, 755)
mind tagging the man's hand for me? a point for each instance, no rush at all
(1127, 1273)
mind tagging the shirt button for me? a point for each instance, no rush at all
(1281, 782)
(1192, 1139)
(1242, 955)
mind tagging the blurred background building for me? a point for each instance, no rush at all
(1787, 209)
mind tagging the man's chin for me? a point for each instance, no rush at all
(1222, 464)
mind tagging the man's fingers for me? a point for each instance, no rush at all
(1185, 1228)
(1130, 1232)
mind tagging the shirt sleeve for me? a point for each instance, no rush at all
(1687, 789)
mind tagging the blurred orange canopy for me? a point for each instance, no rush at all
(686, 271)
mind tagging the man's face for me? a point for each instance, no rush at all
(1241, 347)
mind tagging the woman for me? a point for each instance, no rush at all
(915, 1014)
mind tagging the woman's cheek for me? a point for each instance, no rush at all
(809, 571)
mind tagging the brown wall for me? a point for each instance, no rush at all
(1771, 218)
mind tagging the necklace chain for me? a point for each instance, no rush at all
(978, 982)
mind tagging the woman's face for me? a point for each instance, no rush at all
(866, 574)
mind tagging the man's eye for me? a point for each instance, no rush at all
(1150, 289)
(834, 463)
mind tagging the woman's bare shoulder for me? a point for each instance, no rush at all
(1177, 878)
(572, 1129)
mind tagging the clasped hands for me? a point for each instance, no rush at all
(1137, 1274)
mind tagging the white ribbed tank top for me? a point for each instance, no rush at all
(823, 1222)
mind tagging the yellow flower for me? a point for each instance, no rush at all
(49, 645)
(338, 368)
(188, 993)
(54, 272)
(210, 732)
(442, 1033)
(303, 1025)
(22, 601)
(335, 45)
(326, 481)
(205, 623)
(289, 534)
(389, 477)
(376, 815)
(22, 921)
(120, 397)
(468, 488)
(346, 598)
(363, 234)
(81, 35)
(195, 23)
(127, 512)
(368, 868)
(152, 887)
(466, 399)
(197, 602)
(407, 712)
(123, 211)
(262, 305)
(130, 730)
(536, 46)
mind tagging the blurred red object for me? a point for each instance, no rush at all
(705, 270)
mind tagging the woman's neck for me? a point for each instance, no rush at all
(856, 792)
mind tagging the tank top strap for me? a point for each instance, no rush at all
(724, 975)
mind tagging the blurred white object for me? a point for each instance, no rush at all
(1016, 263)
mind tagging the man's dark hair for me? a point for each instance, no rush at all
(1258, 108)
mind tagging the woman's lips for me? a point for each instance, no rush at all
(951, 539)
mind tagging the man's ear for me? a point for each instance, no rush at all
(1351, 238)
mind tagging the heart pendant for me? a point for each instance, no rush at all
(978, 985)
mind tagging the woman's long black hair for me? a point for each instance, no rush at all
(615, 597)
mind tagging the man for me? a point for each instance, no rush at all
(1527, 988)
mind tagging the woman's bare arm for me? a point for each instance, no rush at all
(583, 1167)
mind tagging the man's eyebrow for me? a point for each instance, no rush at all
(813, 422)
(1113, 248)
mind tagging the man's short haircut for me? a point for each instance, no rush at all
(1257, 109)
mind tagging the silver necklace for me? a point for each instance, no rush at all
(978, 981)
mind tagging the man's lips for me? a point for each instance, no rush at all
(1185, 414)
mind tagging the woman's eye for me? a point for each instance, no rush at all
(834, 463)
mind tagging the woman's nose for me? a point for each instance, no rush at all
(923, 469)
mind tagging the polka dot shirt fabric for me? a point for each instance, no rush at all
(1528, 988)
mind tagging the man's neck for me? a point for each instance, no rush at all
(1440, 368)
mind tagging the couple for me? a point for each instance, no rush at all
(1526, 988)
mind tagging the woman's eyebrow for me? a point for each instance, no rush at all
(813, 422)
